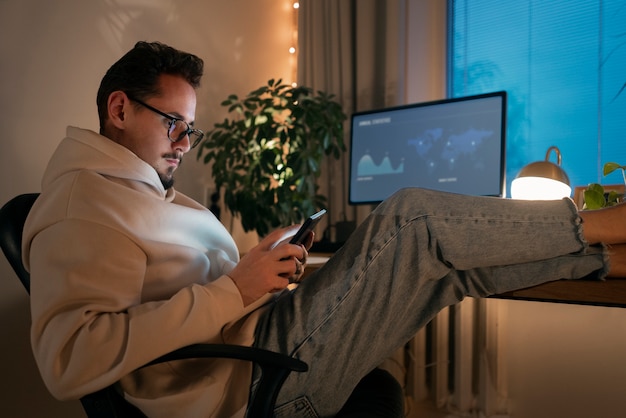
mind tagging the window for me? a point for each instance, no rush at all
(563, 63)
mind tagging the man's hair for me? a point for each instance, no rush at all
(137, 73)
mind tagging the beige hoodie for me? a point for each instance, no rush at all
(124, 271)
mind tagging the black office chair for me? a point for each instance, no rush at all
(378, 394)
(109, 402)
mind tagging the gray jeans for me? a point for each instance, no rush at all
(417, 253)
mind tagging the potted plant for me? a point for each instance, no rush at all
(267, 155)
(595, 195)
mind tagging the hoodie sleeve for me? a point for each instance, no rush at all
(90, 326)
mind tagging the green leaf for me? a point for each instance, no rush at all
(613, 198)
(596, 188)
(594, 199)
(611, 167)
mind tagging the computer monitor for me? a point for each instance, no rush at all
(455, 145)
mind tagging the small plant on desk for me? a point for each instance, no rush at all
(595, 195)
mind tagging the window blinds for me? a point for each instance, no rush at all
(562, 62)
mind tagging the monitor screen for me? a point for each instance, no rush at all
(455, 145)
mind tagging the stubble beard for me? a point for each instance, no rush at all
(167, 179)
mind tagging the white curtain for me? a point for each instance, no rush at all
(370, 54)
(351, 49)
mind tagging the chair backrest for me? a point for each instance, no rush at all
(107, 402)
(12, 217)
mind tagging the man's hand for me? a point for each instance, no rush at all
(268, 268)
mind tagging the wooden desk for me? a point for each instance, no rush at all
(611, 292)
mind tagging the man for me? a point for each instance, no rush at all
(125, 269)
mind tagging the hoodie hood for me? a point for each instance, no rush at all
(83, 149)
(92, 180)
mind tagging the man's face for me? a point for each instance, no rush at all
(145, 132)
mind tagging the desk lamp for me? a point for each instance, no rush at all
(542, 180)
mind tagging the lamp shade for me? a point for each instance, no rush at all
(542, 180)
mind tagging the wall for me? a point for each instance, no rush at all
(54, 54)
(564, 360)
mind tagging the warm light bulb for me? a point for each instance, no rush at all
(539, 188)
(292, 50)
(296, 5)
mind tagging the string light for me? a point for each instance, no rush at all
(294, 43)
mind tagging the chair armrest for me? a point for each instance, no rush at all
(275, 368)
(257, 355)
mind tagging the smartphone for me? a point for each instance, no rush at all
(307, 226)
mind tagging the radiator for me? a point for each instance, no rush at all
(456, 363)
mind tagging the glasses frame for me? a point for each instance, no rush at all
(172, 123)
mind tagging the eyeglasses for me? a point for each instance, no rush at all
(177, 128)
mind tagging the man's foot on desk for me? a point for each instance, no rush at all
(617, 257)
(607, 225)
